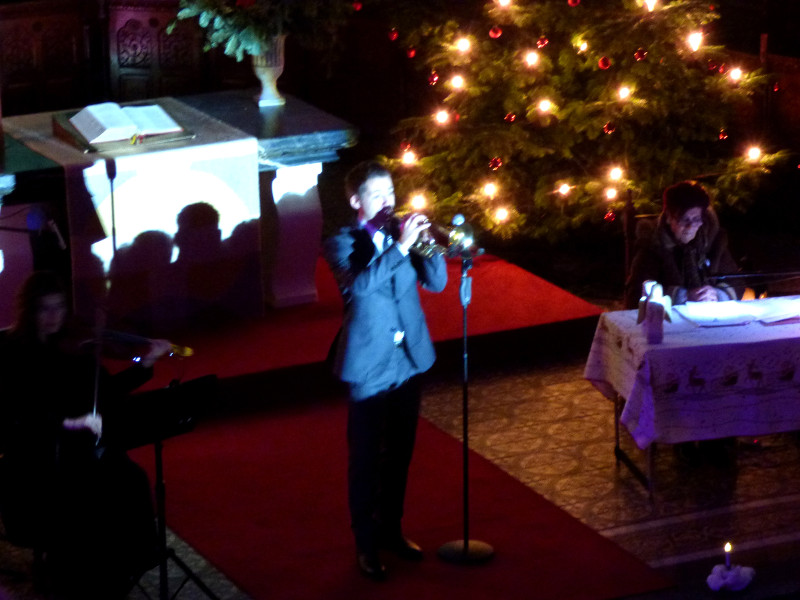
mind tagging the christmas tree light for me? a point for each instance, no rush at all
(694, 40)
(409, 157)
(418, 202)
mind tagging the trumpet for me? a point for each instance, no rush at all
(439, 240)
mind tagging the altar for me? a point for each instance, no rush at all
(225, 222)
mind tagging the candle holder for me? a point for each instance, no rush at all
(734, 578)
(729, 577)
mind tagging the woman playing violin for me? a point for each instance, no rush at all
(66, 488)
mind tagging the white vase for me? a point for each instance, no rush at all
(268, 66)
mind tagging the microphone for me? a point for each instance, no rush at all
(111, 169)
(462, 239)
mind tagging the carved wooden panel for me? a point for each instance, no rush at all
(147, 62)
(43, 55)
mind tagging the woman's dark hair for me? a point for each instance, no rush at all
(682, 196)
(38, 285)
(361, 173)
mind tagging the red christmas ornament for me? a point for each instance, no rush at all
(722, 68)
(573, 2)
(609, 127)
(640, 54)
(394, 34)
(495, 163)
(411, 52)
(542, 42)
(510, 118)
(405, 146)
(776, 87)
(712, 65)
(610, 216)
(495, 32)
(723, 135)
(604, 63)
(357, 6)
(433, 78)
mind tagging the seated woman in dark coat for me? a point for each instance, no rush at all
(66, 489)
(684, 252)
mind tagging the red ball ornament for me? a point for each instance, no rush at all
(411, 52)
(405, 146)
(723, 135)
(712, 65)
(542, 42)
(495, 32)
(640, 54)
(604, 63)
(495, 163)
(394, 34)
(573, 2)
(722, 68)
(610, 216)
(510, 118)
(357, 6)
(433, 78)
(776, 87)
(609, 128)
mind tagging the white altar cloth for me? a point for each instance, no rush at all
(701, 382)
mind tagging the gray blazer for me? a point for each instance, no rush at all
(381, 298)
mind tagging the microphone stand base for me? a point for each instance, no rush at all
(472, 552)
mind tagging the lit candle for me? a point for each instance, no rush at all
(728, 549)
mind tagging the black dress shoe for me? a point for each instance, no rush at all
(404, 548)
(371, 567)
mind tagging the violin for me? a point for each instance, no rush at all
(113, 344)
(109, 335)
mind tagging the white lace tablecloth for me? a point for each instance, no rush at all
(701, 382)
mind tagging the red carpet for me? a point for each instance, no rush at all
(262, 497)
(504, 297)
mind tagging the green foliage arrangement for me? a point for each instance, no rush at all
(247, 26)
(685, 115)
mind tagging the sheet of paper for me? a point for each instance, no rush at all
(718, 314)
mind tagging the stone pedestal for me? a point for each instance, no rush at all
(294, 141)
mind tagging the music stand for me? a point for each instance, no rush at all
(465, 551)
(177, 405)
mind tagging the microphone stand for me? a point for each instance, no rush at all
(465, 551)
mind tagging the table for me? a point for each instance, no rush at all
(701, 383)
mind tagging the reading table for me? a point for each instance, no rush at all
(702, 382)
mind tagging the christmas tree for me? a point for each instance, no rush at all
(546, 115)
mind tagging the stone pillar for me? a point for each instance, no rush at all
(291, 229)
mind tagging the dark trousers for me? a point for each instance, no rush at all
(381, 431)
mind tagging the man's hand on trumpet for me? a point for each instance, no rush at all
(410, 230)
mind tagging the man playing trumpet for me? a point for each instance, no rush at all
(381, 350)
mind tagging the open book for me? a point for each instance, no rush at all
(110, 122)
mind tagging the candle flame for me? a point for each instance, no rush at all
(728, 547)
